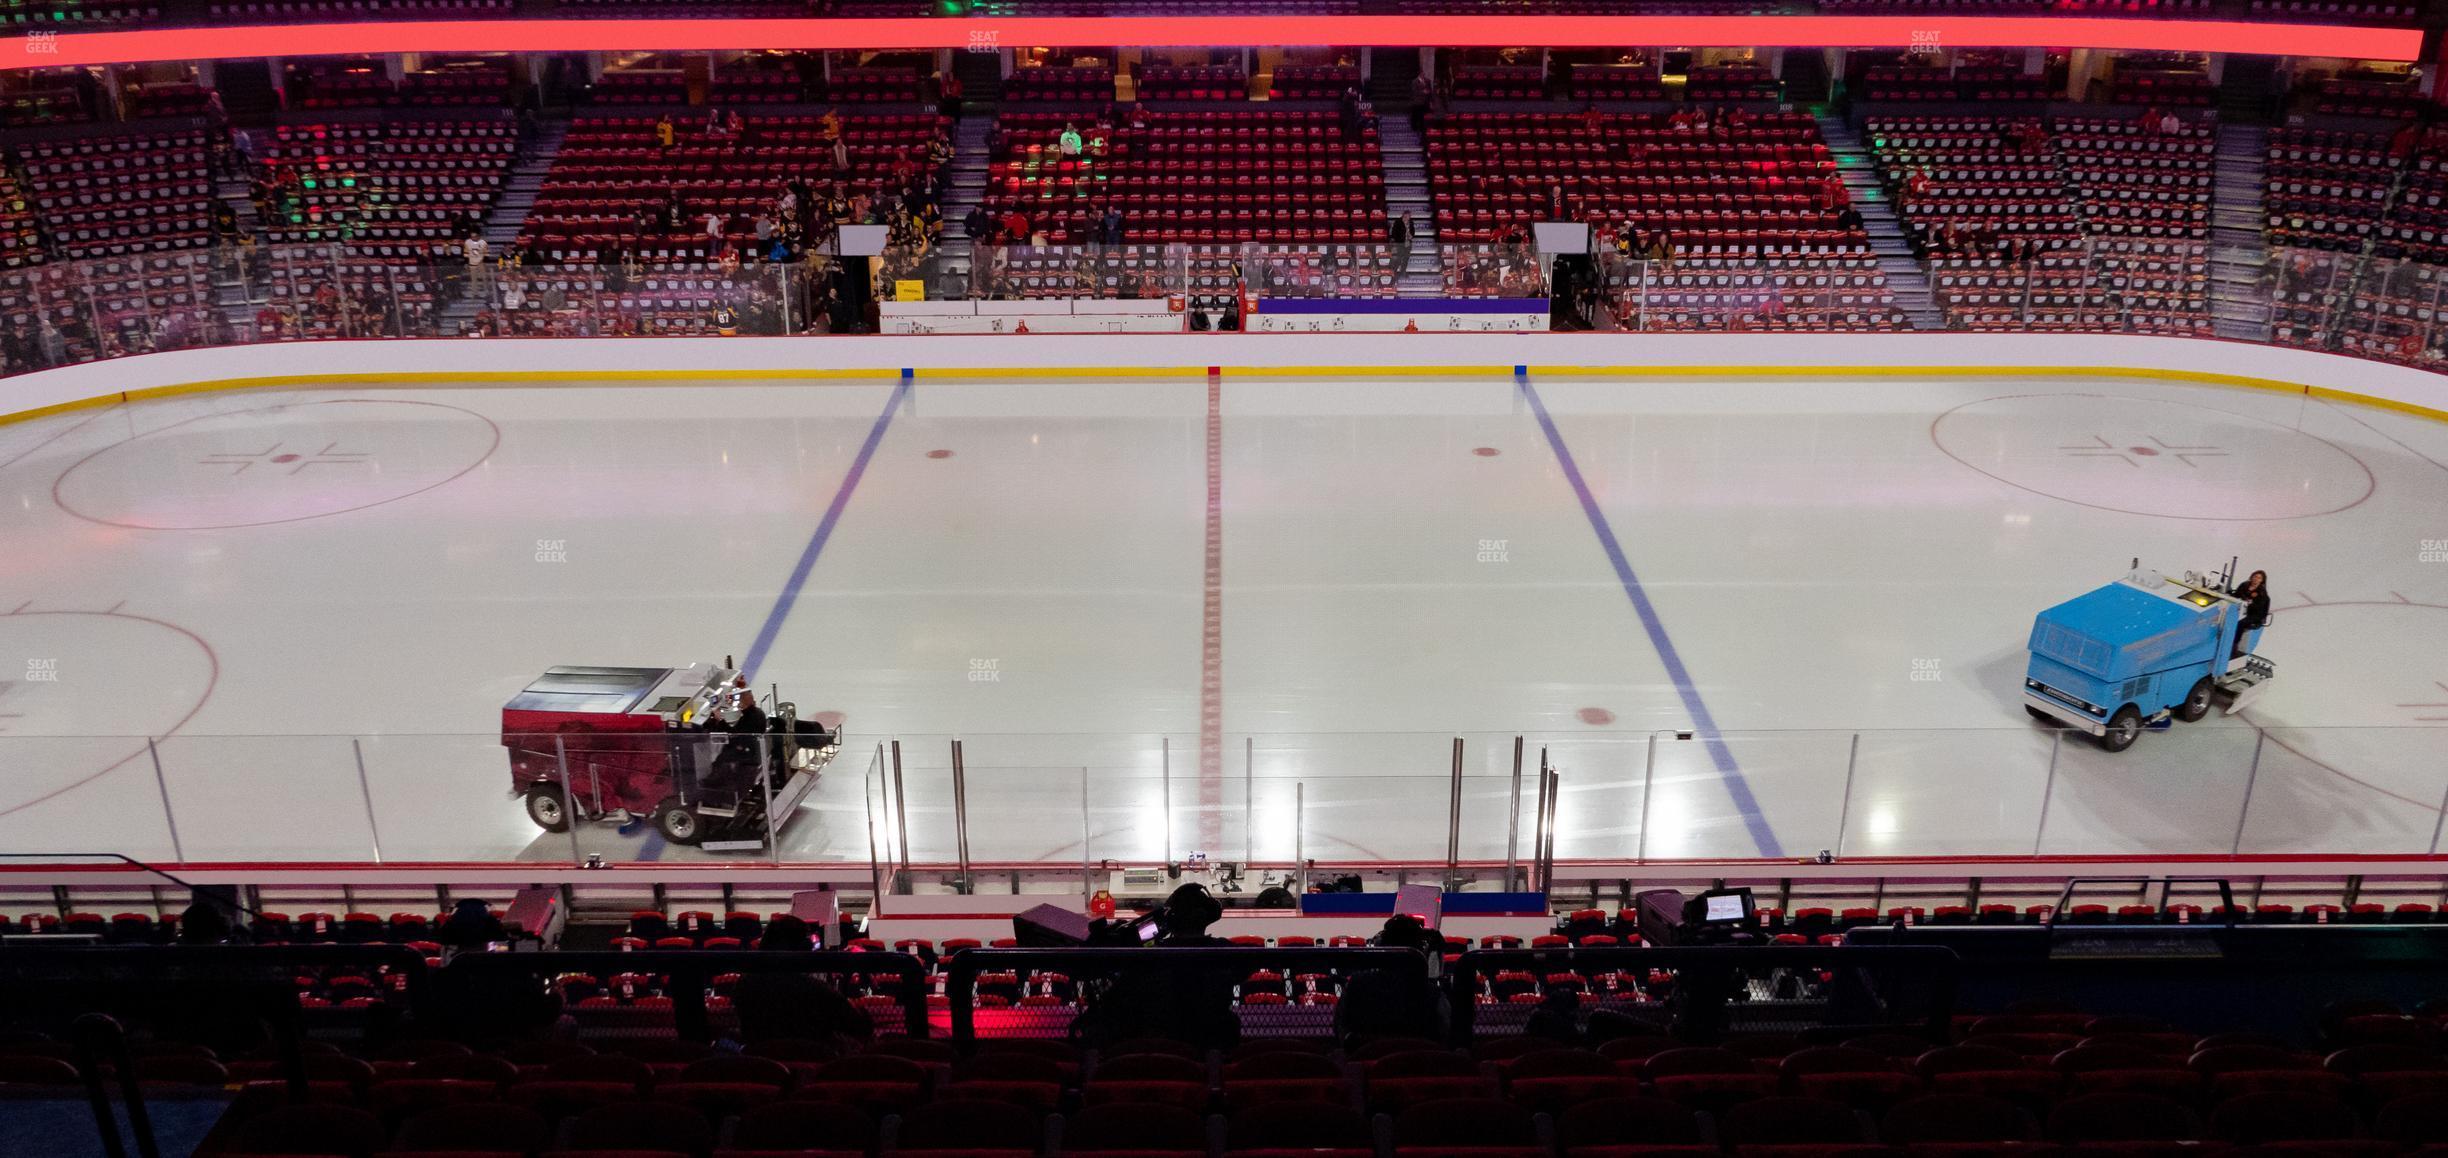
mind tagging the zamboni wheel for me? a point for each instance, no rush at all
(546, 808)
(2123, 729)
(2196, 702)
(678, 823)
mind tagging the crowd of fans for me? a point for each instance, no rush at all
(2052, 206)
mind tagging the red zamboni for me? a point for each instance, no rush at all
(689, 747)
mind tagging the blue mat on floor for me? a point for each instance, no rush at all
(64, 1127)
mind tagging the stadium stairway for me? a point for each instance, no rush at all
(981, 78)
(509, 213)
(1904, 273)
(231, 294)
(526, 180)
(964, 186)
(1406, 185)
(2239, 305)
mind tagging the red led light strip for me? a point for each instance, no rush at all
(158, 44)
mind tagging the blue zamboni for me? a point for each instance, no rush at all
(2138, 651)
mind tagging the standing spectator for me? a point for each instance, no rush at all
(978, 225)
(1109, 227)
(923, 194)
(2402, 143)
(663, 131)
(714, 229)
(1399, 231)
(841, 158)
(948, 96)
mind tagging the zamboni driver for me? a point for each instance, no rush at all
(740, 713)
(2254, 591)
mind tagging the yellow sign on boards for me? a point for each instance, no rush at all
(909, 291)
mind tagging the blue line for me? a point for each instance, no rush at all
(824, 533)
(652, 847)
(1702, 723)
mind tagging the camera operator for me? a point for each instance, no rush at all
(1193, 1005)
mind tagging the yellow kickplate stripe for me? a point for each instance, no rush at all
(1735, 370)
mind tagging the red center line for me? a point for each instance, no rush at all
(1211, 631)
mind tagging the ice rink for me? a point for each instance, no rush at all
(1245, 617)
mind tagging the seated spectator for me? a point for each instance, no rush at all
(777, 1005)
(471, 926)
(1382, 1003)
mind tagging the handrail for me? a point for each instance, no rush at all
(2065, 897)
(1702, 973)
(124, 859)
(101, 1044)
(693, 971)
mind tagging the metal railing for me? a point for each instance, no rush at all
(1783, 988)
(687, 976)
(1095, 969)
(69, 311)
